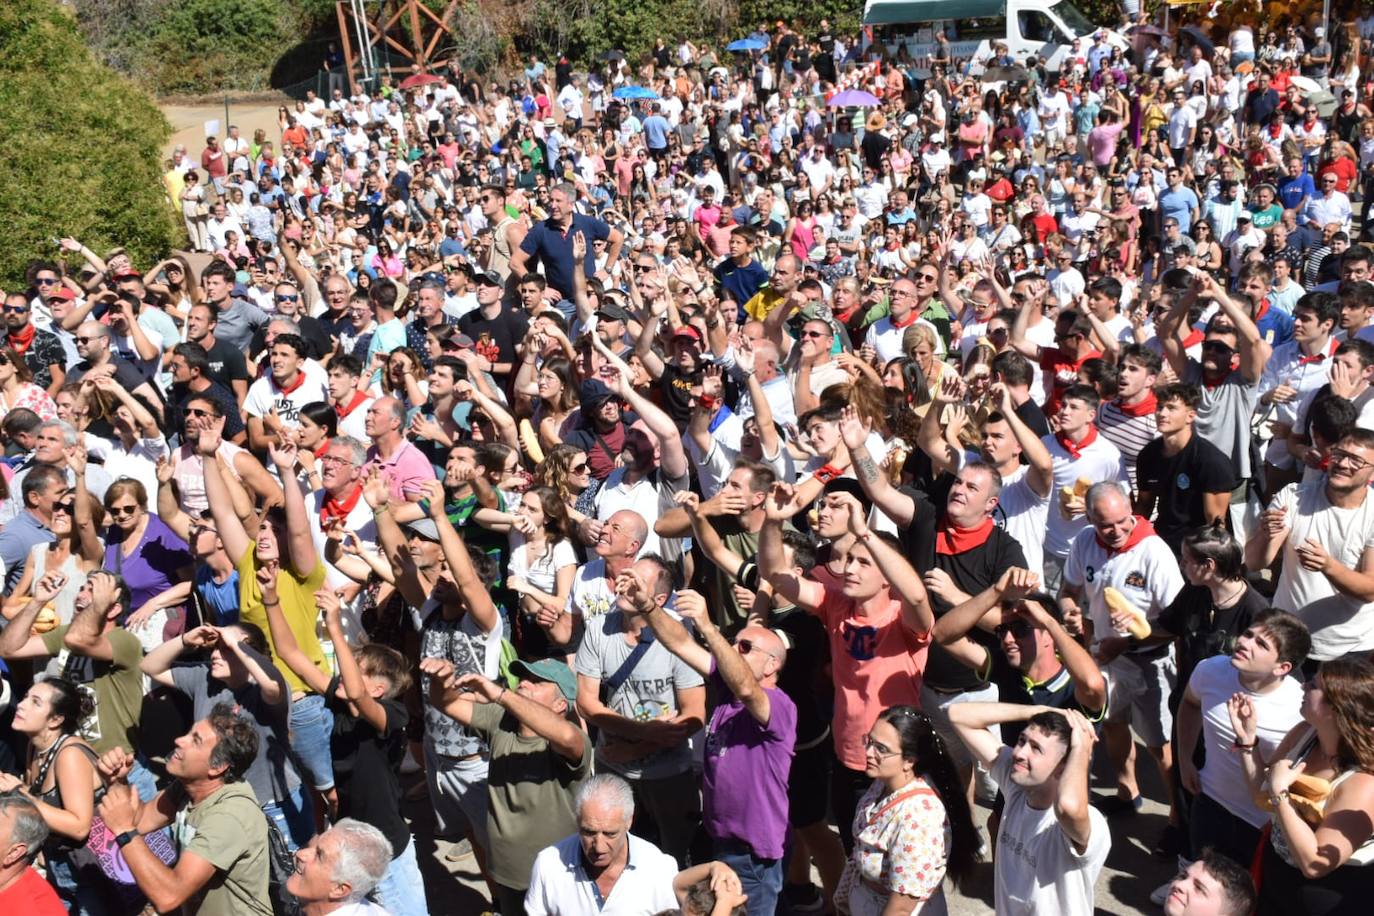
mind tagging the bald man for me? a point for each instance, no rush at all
(749, 739)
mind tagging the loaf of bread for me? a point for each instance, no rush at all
(1138, 624)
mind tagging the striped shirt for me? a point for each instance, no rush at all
(1129, 434)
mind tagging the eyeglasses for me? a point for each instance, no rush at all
(121, 511)
(878, 749)
(46, 281)
(1354, 462)
(288, 298)
(334, 459)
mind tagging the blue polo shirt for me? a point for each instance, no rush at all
(1293, 190)
(547, 244)
(1180, 205)
(1275, 325)
(740, 283)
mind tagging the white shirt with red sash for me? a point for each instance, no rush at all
(1096, 459)
(1143, 570)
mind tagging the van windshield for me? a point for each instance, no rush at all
(1079, 24)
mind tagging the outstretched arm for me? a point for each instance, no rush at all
(893, 503)
(733, 668)
(806, 593)
(902, 578)
(300, 544)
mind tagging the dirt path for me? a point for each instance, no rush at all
(188, 122)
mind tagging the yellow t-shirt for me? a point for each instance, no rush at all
(297, 596)
(763, 302)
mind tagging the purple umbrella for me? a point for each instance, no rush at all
(854, 98)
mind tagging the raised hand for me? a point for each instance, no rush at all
(853, 430)
(781, 503)
(202, 637)
(1244, 722)
(48, 587)
(211, 437)
(745, 356)
(710, 381)
(1017, 583)
(689, 501)
(283, 454)
(631, 586)
(692, 606)
(376, 490)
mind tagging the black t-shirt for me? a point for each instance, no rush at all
(227, 364)
(1057, 693)
(366, 767)
(125, 373)
(1030, 414)
(806, 676)
(676, 387)
(1179, 483)
(1203, 629)
(874, 146)
(496, 336)
(972, 571)
(318, 343)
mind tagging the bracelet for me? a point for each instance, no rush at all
(1237, 746)
(501, 694)
(1276, 797)
(273, 603)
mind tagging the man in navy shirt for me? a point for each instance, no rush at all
(550, 242)
(1261, 101)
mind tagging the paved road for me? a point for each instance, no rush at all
(1123, 889)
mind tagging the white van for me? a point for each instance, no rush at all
(1045, 28)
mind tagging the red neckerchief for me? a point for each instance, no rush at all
(1193, 339)
(1262, 310)
(287, 389)
(1075, 449)
(324, 447)
(1332, 344)
(952, 539)
(358, 398)
(21, 342)
(1146, 406)
(906, 322)
(1140, 532)
(339, 508)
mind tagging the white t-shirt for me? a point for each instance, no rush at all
(1213, 682)
(1038, 871)
(264, 395)
(1339, 623)
(1147, 575)
(1098, 462)
(591, 594)
(543, 573)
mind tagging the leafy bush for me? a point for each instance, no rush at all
(82, 146)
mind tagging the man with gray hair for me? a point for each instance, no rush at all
(429, 314)
(22, 834)
(1120, 550)
(53, 442)
(550, 242)
(589, 873)
(338, 502)
(340, 867)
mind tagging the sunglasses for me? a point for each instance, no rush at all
(46, 281)
(1017, 628)
(82, 340)
(746, 646)
(288, 298)
(197, 412)
(121, 511)
(814, 335)
(16, 309)
(1216, 346)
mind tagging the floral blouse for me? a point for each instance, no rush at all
(902, 847)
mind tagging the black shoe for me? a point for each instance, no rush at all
(1171, 842)
(803, 898)
(1112, 805)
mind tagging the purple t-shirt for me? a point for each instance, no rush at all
(744, 788)
(155, 565)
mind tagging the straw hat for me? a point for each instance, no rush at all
(876, 121)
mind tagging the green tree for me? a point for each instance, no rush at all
(81, 146)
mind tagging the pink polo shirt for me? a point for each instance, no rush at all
(404, 471)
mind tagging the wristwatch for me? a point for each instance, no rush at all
(127, 837)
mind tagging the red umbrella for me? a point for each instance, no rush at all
(415, 81)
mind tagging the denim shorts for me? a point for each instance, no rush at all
(402, 889)
(294, 817)
(311, 725)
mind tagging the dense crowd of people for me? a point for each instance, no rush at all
(705, 503)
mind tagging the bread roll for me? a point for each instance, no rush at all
(46, 620)
(1138, 625)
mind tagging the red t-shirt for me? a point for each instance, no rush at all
(1063, 371)
(876, 662)
(1343, 169)
(32, 896)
